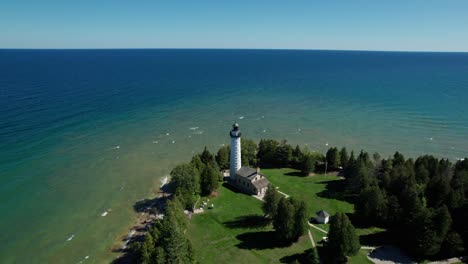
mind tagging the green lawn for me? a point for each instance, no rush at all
(234, 231)
(313, 190)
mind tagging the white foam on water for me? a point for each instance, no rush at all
(116, 147)
(241, 117)
(70, 237)
(198, 132)
(326, 144)
(193, 128)
(189, 136)
(264, 130)
(155, 142)
(85, 258)
(164, 181)
(167, 134)
(173, 141)
(104, 213)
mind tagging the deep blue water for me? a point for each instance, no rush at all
(62, 112)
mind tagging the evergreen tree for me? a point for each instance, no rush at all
(350, 167)
(159, 256)
(297, 157)
(342, 238)
(147, 250)
(222, 157)
(371, 205)
(438, 189)
(457, 194)
(190, 256)
(172, 239)
(307, 164)
(186, 181)
(453, 245)
(360, 176)
(343, 157)
(312, 256)
(300, 217)
(283, 222)
(394, 212)
(209, 180)
(208, 159)
(266, 155)
(333, 158)
(283, 155)
(377, 158)
(197, 163)
(430, 228)
(248, 152)
(271, 201)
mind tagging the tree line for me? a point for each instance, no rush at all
(422, 199)
(270, 153)
(421, 202)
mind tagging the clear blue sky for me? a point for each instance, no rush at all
(288, 24)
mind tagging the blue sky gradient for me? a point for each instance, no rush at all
(347, 25)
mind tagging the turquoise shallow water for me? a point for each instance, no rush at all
(65, 112)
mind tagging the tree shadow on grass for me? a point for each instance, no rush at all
(336, 189)
(378, 239)
(295, 173)
(299, 257)
(248, 221)
(292, 258)
(260, 240)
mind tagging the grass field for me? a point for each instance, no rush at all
(235, 232)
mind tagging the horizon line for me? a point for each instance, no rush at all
(270, 49)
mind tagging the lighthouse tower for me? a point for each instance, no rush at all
(235, 158)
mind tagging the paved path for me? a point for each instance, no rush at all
(367, 247)
(285, 195)
(311, 238)
(318, 228)
(450, 260)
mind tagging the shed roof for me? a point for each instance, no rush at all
(322, 213)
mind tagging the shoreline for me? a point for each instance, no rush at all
(148, 211)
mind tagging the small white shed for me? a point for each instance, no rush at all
(322, 217)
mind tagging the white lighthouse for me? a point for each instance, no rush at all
(235, 158)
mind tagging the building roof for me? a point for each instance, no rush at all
(247, 172)
(261, 183)
(322, 213)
